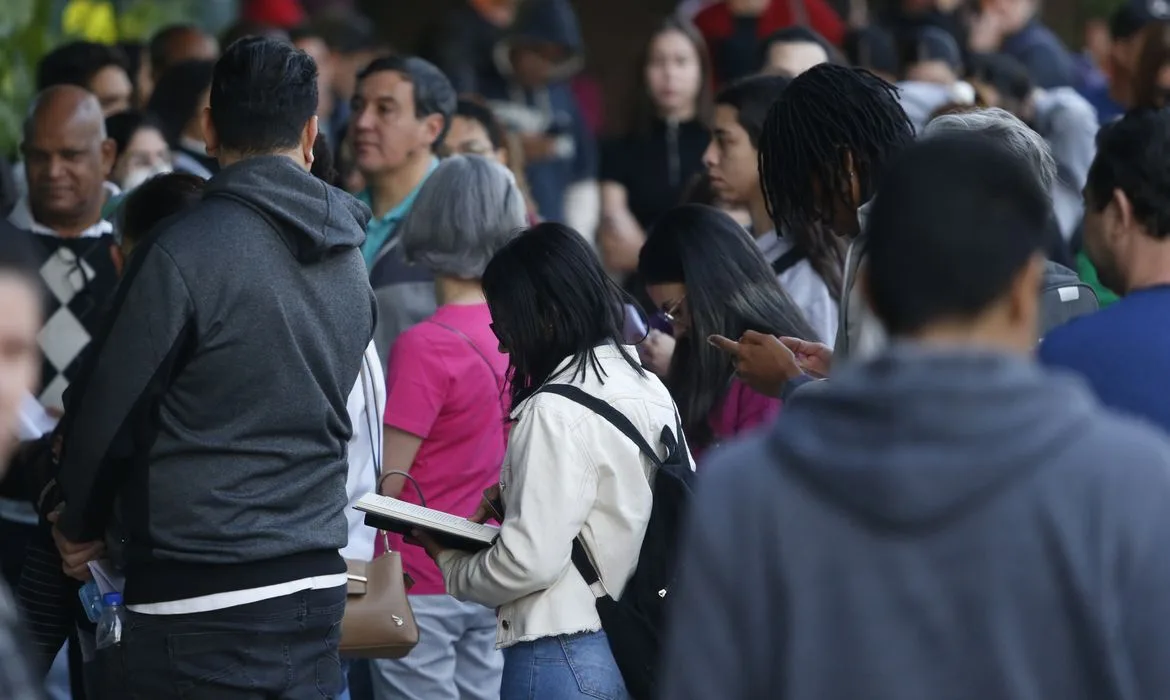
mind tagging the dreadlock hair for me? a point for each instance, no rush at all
(825, 113)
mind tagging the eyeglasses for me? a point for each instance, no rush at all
(665, 318)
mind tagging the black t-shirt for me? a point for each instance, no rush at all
(655, 166)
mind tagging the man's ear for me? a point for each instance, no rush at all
(118, 259)
(433, 125)
(309, 139)
(210, 135)
(109, 157)
(1122, 207)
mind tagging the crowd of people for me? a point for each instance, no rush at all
(891, 290)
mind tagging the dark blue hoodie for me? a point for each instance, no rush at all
(930, 525)
(551, 110)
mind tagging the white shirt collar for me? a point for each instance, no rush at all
(772, 245)
(22, 217)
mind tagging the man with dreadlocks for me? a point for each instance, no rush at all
(823, 149)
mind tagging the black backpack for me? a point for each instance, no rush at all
(634, 623)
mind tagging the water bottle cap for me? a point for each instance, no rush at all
(114, 598)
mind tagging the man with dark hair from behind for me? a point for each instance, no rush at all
(222, 441)
(899, 533)
(402, 111)
(1124, 350)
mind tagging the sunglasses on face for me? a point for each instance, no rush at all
(664, 319)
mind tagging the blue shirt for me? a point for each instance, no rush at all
(381, 228)
(1123, 351)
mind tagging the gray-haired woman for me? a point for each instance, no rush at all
(445, 416)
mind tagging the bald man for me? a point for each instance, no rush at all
(67, 159)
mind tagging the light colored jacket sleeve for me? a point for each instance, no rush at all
(549, 486)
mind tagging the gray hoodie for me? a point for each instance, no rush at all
(930, 525)
(213, 404)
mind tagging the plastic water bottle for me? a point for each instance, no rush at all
(111, 626)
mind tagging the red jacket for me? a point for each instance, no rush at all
(717, 26)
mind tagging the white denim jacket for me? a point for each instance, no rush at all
(567, 472)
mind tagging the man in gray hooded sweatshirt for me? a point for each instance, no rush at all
(211, 414)
(946, 519)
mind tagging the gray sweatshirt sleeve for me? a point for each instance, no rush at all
(724, 612)
(134, 359)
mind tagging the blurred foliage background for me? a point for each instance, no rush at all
(31, 28)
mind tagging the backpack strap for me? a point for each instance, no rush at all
(786, 262)
(602, 408)
(618, 420)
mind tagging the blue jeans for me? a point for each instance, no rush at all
(562, 668)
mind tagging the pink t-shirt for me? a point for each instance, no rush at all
(440, 389)
(740, 410)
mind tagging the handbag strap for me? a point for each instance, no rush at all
(374, 413)
(469, 341)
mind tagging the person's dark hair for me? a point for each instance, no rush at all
(752, 97)
(176, 97)
(347, 32)
(17, 256)
(825, 113)
(1133, 155)
(551, 300)
(134, 52)
(872, 48)
(946, 242)
(645, 112)
(159, 46)
(730, 289)
(474, 108)
(1152, 59)
(324, 167)
(76, 63)
(1128, 20)
(263, 92)
(930, 44)
(433, 92)
(1005, 75)
(123, 126)
(797, 34)
(160, 197)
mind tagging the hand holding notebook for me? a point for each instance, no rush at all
(448, 530)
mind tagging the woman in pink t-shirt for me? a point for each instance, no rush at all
(708, 277)
(446, 410)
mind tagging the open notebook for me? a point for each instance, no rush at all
(391, 514)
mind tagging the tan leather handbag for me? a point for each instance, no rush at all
(378, 621)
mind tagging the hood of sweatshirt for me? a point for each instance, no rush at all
(545, 21)
(315, 219)
(918, 436)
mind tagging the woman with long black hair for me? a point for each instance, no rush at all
(567, 473)
(708, 278)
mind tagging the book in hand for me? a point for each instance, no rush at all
(448, 530)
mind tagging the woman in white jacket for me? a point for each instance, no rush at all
(567, 472)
